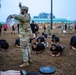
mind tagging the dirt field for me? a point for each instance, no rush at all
(64, 65)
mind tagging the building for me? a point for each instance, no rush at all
(48, 20)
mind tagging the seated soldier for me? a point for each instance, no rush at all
(55, 39)
(17, 42)
(56, 50)
(37, 48)
(73, 42)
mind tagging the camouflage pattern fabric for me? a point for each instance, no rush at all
(24, 34)
(62, 28)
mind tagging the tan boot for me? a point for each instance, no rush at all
(24, 64)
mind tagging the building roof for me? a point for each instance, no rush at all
(48, 20)
(45, 20)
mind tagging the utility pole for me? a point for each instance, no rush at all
(0, 4)
(51, 17)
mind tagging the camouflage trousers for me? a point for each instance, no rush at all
(61, 32)
(70, 30)
(25, 44)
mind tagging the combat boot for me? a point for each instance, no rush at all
(24, 64)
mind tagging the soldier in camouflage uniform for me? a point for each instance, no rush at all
(62, 28)
(24, 34)
(48, 29)
(70, 28)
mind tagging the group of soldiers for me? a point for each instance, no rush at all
(66, 28)
(25, 33)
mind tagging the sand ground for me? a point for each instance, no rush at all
(64, 65)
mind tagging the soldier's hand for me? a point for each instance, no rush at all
(20, 5)
(10, 16)
(53, 55)
(14, 15)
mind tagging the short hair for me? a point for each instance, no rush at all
(39, 39)
(33, 21)
(54, 45)
(53, 36)
(34, 44)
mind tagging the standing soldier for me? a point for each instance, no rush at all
(70, 28)
(62, 28)
(24, 34)
(48, 29)
(44, 28)
(0, 29)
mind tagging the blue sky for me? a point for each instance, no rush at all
(61, 8)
